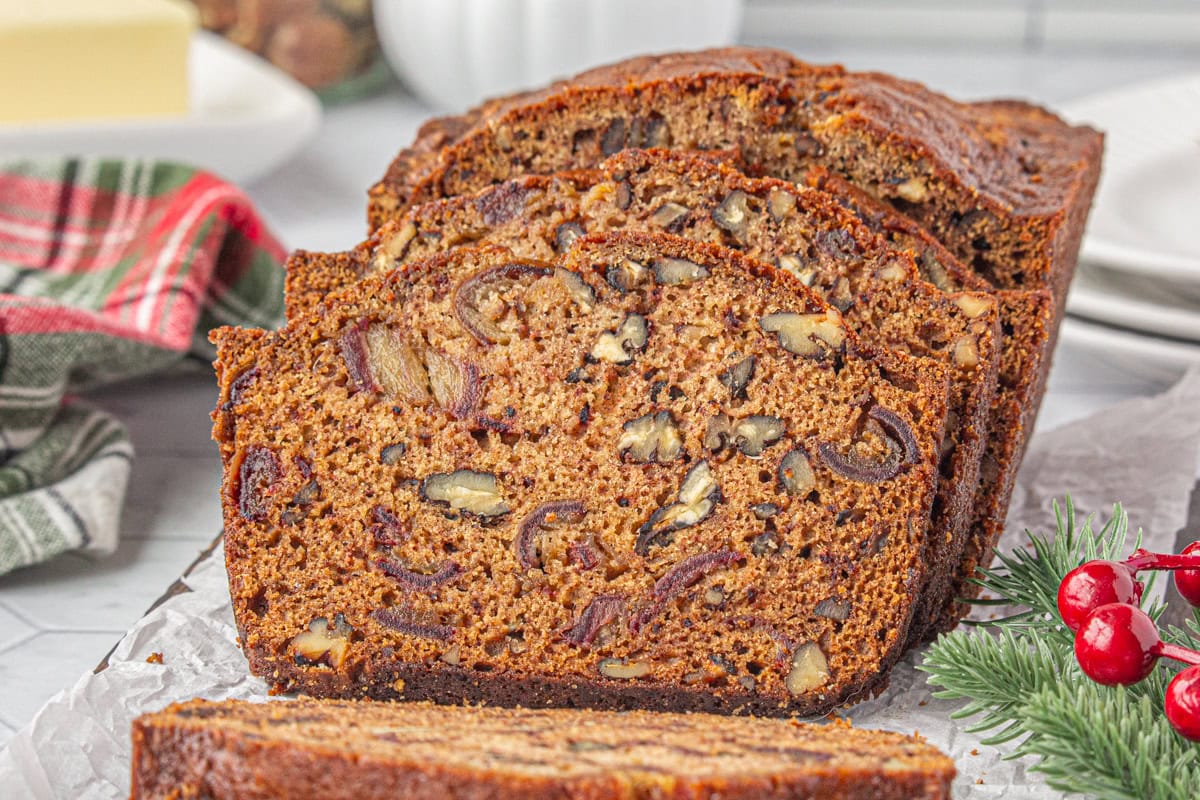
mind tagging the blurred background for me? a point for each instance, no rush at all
(296, 107)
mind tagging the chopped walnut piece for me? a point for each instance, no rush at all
(811, 335)
(626, 275)
(698, 496)
(795, 473)
(465, 490)
(551, 513)
(750, 435)
(481, 300)
(613, 138)
(624, 195)
(809, 671)
(323, 643)
(392, 454)
(738, 377)
(766, 543)
(780, 203)
(393, 246)
(733, 214)
(755, 433)
(892, 271)
(670, 216)
(913, 190)
(619, 346)
(973, 305)
(764, 510)
(676, 271)
(966, 352)
(583, 295)
(798, 267)
(623, 670)
(832, 608)
(716, 432)
(566, 234)
(651, 437)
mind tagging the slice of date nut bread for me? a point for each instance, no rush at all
(1027, 317)
(878, 291)
(344, 750)
(1005, 185)
(486, 478)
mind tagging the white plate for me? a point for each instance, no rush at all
(1144, 218)
(1136, 302)
(1161, 360)
(247, 118)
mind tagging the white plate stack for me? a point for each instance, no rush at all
(1135, 300)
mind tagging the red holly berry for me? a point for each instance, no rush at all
(1187, 581)
(1093, 584)
(1117, 644)
(1183, 703)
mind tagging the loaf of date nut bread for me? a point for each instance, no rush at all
(654, 473)
(339, 750)
(1004, 185)
(878, 291)
(1028, 320)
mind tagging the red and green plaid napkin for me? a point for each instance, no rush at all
(108, 269)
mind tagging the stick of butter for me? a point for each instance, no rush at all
(93, 59)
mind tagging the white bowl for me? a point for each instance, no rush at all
(454, 53)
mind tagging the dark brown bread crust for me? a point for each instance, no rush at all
(329, 750)
(1029, 321)
(529, 215)
(288, 567)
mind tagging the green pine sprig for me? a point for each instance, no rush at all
(1023, 686)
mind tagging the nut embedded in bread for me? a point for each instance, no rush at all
(873, 287)
(576, 537)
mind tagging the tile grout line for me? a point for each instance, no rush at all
(13, 645)
(19, 614)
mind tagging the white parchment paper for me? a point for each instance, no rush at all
(1143, 453)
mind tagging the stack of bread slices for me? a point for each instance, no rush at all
(692, 383)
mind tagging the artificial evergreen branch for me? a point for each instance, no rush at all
(1021, 681)
(997, 675)
(1108, 742)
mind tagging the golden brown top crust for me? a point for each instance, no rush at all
(1024, 159)
(650, 751)
(749, 61)
(1019, 154)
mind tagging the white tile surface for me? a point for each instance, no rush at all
(36, 671)
(13, 629)
(77, 593)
